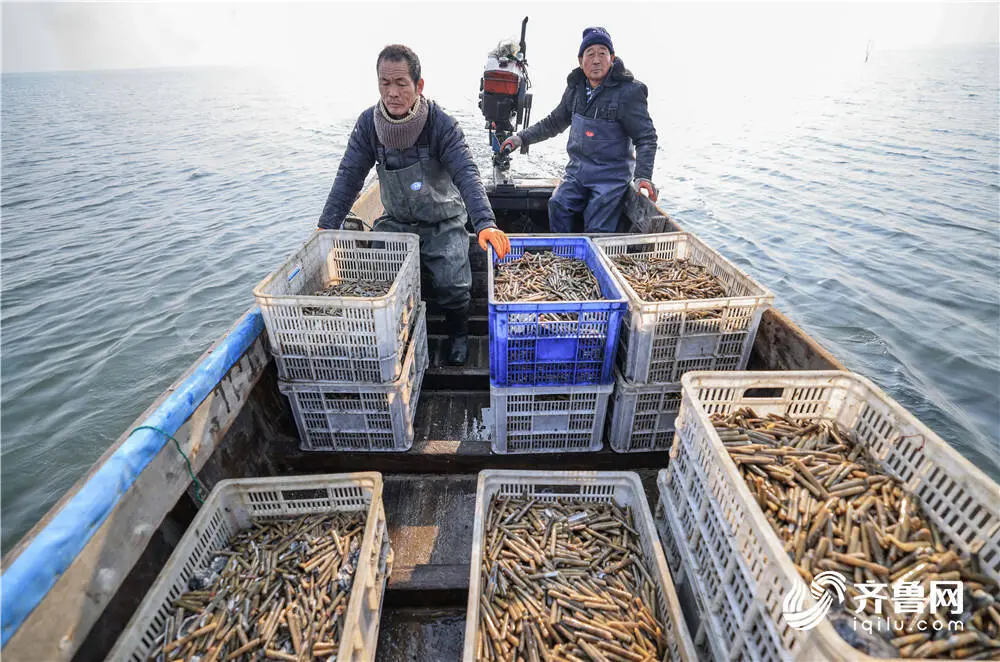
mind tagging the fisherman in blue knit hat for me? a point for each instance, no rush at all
(612, 141)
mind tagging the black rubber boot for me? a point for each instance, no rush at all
(457, 321)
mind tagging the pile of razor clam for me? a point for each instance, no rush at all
(277, 592)
(667, 279)
(544, 276)
(836, 510)
(565, 580)
(355, 288)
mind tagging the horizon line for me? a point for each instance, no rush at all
(223, 65)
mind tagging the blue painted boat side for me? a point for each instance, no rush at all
(33, 573)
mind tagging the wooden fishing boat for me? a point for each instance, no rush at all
(72, 583)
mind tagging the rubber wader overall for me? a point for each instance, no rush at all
(422, 199)
(601, 163)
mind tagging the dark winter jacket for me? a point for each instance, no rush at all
(618, 86)
(447, 145)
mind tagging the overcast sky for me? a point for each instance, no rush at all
(61, 36)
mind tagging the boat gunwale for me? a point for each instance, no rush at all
(34, 578)
(21, 545)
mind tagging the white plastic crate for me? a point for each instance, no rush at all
(233, 506)
(346, 339)
(338, 416)
(623, 488)
(642, 416)
(706, 625)
(690, 604)
(547, 419)
(663, 340)
(735, 560)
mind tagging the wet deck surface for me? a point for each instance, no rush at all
(412, 635)
(430, 526)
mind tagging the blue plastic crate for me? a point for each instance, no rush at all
(529, 346)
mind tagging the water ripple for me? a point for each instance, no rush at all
(139, 209)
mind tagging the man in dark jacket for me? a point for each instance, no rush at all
(606, 107)
(429, 185)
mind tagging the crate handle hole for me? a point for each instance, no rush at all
(303, 495)
(764, 392)
(557, 489)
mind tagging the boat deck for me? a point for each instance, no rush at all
(244, 428)
(430, 491)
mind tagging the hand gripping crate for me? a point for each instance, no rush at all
(339, 416)
(644, 214)
(345, 339)
(737, 563)
(233, 506)
(567, 343)
(547, 419)
(663, 340)
(623, 488)
(642, 416)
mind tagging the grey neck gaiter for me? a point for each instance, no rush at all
(401, 133)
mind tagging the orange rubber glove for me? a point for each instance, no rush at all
(647, 186)
(497, 239)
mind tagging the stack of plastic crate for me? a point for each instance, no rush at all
(660, 341)
(723, 550)
(552, 363)
(351, 367)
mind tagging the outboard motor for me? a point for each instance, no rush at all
(504, 98)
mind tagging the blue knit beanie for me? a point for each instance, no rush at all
(593, 36)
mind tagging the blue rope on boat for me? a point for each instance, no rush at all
(35, 571)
